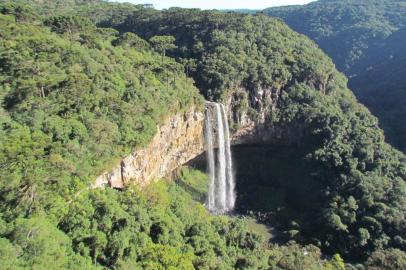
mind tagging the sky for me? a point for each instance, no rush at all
(217, 4)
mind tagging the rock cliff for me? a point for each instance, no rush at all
(181, 138)
(177, 141)
(249, 113)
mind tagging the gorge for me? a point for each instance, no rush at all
(129, 98)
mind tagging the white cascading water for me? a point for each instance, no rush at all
(210, 161)
(221, 197)
(229, 162)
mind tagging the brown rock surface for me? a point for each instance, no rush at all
(181, 138)
(176, 142)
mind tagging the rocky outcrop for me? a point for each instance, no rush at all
(249, 113)
(177, 141)
(181, 138)
(268, 134)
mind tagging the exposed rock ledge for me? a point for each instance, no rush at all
(181, 139)
(176, 142)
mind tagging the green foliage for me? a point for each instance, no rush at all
(72, 104)
(8, 255)
(227, 53)
(382, 86)
(99, 11)
(295, 257)
(162, 43)
(391, 259)
(357, 172)
(195, 182)
(36, 243)
(44, 246)
(345, 30)
(70, 25)
(366, 40)
(131, 40)
(75, 98)
(127, 228)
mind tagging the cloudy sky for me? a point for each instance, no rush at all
(217, 4)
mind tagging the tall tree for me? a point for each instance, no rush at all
(161, 44)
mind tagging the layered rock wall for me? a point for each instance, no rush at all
(177, 141)
(249, 113)
(181, 138)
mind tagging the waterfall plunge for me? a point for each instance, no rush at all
(221, 197)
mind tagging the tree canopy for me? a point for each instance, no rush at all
(345, 30)
(366, 41)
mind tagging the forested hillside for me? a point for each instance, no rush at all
(345, 30)
(223, 51)
(95, 10)
(365, 39)
(76, 97)
(383, 86)
(347, 151)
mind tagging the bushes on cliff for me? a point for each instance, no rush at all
(362, 178)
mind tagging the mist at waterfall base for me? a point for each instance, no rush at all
(221, 195)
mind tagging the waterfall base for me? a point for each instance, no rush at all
(276, 185)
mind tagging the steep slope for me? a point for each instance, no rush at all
(382, 87)
(366, 40)
(345, 29)
(276, 84)
(390, 49)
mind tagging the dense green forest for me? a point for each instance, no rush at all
(96, 10)
(382, 87)
(366, 40)
(345, 29)
(224, 51)
(76, 96)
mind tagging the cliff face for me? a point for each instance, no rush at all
(249, 114)
(178, 140)
(181, 138)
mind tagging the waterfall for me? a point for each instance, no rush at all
(221, 196)
(210, 160)
(229, 162)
